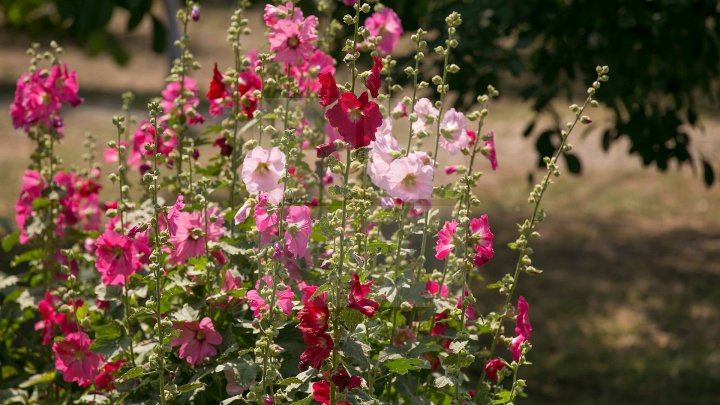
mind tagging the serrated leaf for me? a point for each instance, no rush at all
(304, 401)
(8, 281)
(190, 387)
(403, 366)
(132, 374)
(186, 314)
(457, 346)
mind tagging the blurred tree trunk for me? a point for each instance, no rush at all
(171, 9)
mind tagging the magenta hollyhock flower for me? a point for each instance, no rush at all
(273, 14)
(489, 150)
(188, 238)
(32, 188)
(197, 340)
(64, 85)
(358, 300)
(492, 367)
(265, 221)
(146, 134)
(445, 239)
(439, 327)
(386, 24)
(291, 39)
(262, 170)
(426, 115)
(373, 83)
(450, 169)
(105, 380)
(172, 92)
(433, 288)
(259, 305)
(117, 257)
(318, 350)
(74, 358)
(523, 329)
(453, 132)
(299, 228)
(410, 178)
(315, 314)
(480, 229)
(318, 63)
(382, 151)
(243, 213)
(355, 118)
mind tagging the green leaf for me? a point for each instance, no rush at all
(190, 387)
(308, 399)
(38, 379)
(230, 400)
(186, 314)
(402, 366)
(132, 374)
(10, 240)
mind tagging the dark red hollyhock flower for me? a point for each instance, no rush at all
(355, 118)
(328, 89)
(105, 380)
(325, 150)
(320, 347)
(314, 314)
(249, 82)
(102, 304)
(225, 148)
(357, 300)
(321, 391)
(110, 205)
(217, 86)
(343, 380)
(439, 328)
(373, 81)
(433, 359)
(492, 367)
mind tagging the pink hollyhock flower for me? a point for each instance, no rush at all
(264, 221)
(489, 150)
(299, 228)
(399, 111)
(382, 151)
(74, 358)
(492, 367)
(146, 134)
(318, 63)
(174, 213)
(110, 155)
(483, 248)
(117, 257)
(355, 118)
(172, 92)
(453, 132)
(410, 178)
(329, 92)
(522, 323)
(426, 115)
(105, 381)
(32, 188)
(262, 170)
(188, 239)
(64, 85)
(433, 288)
(50, 318)
(243, 213)
(231, 282)
(318, 350)
(197, 340)
(373, 83)
(259, 305)
(273, 14)
(450, 169)
(291, 40)
(445, 239)
(469, 311)
(349, 2)
(357, 299)
(386, 24)
(343, 381)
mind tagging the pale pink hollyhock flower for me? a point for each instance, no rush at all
(445, 239)
(197, 340)
(117, 257)
(399, 110)
(381, 154)
(262, 170)
(484, 247)
(433, 288)
(299, 228)
(74, 358)
(243, 213)
(489, 150)
(386, 24)
(272, 14)
(291, 40)
(188, 239)
(426, 115)
(453, 132)
(259, 305)
(410, 178)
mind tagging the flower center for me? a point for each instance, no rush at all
(200, 335)
(354, 114)
(409, 181)
(196, 233)
(293, 42)
(79, 355)
(262, 168)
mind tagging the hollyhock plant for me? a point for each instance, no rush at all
(410, 178)
(426, 115)
(117, 257)
(355, 118)
(262, 170)
(318, 349)
(314, 314)
(382, 152)
(188, 239)
(453, 130)
(445, 239)
(319, 63)
(433, 288)
(480, 229)
(172, 92)
(273, 14)
(329, 92)
(489, 150)
(373, 82)
(197, 340)
(74, 358)
(492, 368)
(357, 299)
(145, 134)
(387, 25)
(298, 231)
(523, 329)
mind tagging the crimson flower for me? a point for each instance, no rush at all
(343, 380)
(357, 300)
(355, 118)
(314, 314)
(329, 92)
(492, 367)
(319, 348)
(373, 81)
(217, 86)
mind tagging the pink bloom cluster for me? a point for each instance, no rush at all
(523, 329)
(40, 95)
(292, 36)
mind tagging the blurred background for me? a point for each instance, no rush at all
(628, 309)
